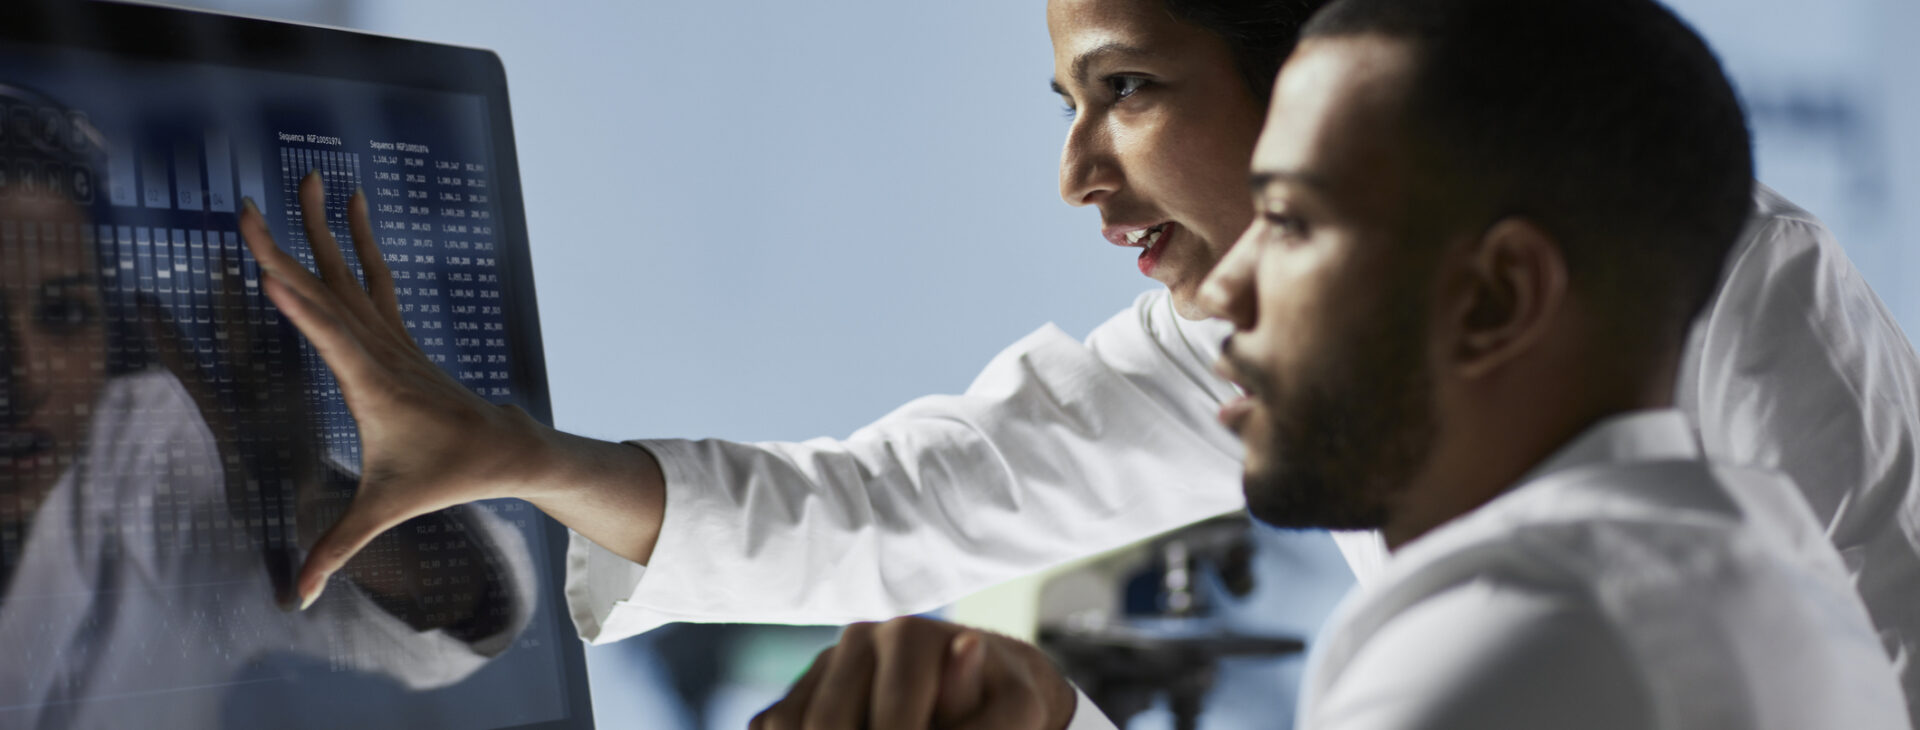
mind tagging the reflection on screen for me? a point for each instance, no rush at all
(168, 444)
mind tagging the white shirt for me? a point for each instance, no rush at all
(1061, 449)
(1624, 583)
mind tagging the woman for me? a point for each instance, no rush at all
(1061, 447)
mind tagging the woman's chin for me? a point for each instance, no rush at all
(1186, 301)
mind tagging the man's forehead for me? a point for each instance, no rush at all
(1335, 107)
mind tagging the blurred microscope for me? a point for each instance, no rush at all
(1142, 624)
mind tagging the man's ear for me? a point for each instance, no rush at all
(1514, 286)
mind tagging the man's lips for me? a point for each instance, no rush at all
(1235, 411)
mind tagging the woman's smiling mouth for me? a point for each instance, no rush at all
(1152, 239)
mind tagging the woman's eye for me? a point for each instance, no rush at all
(65, 316)
(1124, 86)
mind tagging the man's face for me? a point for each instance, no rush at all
(52, 347)
(1163, 126)
(1329, 298)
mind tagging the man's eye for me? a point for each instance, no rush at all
(65, 316)
(1285, 225)
(1124, 86)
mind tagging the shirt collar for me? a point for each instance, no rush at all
(1650, 435)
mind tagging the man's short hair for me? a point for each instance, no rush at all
(1607, 122)
(1259, 33)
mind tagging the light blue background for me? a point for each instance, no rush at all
(780, 220)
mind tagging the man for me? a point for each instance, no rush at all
(1484, 229)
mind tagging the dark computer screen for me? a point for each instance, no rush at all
(169, 444)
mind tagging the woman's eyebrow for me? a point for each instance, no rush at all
(1086, 60)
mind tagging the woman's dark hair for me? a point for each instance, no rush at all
(1259, 33)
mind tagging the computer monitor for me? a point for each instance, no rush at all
(169, 444)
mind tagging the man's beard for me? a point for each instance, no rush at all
(1343, 442)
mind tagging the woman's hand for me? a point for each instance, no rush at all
(427, 442)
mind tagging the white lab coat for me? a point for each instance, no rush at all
(1061, 449)
(139, 600)
(1623, 583)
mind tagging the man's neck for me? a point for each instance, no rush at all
(1483, 462)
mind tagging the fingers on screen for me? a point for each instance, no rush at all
(327, 330)
(373, 265)
(327, 258)
(340, 543)
(276, 262)
(305, 300)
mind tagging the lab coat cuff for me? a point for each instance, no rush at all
(1086, 716)
(602, 588)
(598, 583)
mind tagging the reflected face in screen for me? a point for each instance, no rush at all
(169, 446)
(1162, 127)
(1328, 292)
(52, 347)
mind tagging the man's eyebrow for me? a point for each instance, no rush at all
(1086, 60)
(1262, 179)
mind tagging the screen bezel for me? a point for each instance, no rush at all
(168, 34)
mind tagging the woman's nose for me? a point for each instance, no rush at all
(1089, 171)
(18, 398)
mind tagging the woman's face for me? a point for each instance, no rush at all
(1162, 131)
(52, 347)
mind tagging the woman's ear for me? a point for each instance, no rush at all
(1512, 292)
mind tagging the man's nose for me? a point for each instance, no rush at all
(1089, 171)
(1229, 290)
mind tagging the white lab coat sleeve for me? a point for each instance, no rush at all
(1486, 654)
(1059, 449)
(1086, 716)
(1796, 365)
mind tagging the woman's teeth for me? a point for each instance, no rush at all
(1146, 236)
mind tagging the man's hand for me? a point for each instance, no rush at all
(918, 673)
